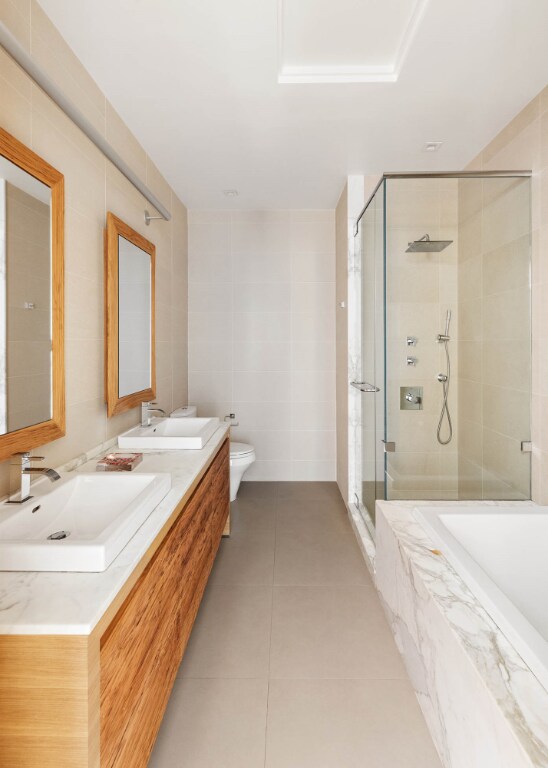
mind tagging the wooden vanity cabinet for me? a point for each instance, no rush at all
(130, 662)
(143, 646)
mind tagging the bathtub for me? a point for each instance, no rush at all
(501, 553)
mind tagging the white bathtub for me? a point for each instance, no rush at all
(501, 553)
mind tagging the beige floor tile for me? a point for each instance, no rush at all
(328, 632)
(213, 724)
(253, 518)
(314, 548)
(319, 510)
(258, 490)
(244, 560)
(346, 724)
(310, 491)
(231, 636)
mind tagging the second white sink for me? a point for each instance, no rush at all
(165, 434)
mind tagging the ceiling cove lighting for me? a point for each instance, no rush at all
(309, 70)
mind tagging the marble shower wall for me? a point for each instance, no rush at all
(341, 321)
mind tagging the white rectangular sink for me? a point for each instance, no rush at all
(91, 516)
(166, 434)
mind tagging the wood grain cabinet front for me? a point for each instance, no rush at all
(104, 708)
(143, 646)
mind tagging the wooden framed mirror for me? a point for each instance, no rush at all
(130, 360)
(32, 363)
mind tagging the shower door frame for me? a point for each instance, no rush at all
(388, 446)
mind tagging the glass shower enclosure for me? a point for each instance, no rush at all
(443, 348)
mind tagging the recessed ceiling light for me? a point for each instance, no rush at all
(432, 146)
(230, 192)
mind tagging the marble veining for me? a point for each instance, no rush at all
(482, 703)
(73, 603)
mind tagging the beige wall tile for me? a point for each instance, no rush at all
(15, 106)
(15, 15)
(92, 186)
(515, 127)
(124, 142)
(157, 183)
(51, 52)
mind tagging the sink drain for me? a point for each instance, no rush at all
(58, 535)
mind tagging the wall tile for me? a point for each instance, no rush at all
(261, 326)
(210, 387)
(93, 186)
(281, 324)
(262, 356)
(257, 267)
(262, 297)
(260, 232)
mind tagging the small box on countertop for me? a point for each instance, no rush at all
(119, 462)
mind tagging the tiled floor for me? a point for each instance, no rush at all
(291, 663)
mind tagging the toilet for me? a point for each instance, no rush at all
(242, 455)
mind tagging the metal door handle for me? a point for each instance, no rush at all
(364, 386)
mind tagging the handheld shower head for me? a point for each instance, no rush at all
(447, 322)
(444, 337)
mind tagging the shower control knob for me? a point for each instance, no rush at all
(411, 341)
(411, 361)
(411, 398)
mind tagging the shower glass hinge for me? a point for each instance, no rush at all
(389, 447)
(526, 446)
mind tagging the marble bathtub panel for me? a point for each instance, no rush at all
(483, 706)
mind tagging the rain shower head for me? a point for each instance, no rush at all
(425, 245)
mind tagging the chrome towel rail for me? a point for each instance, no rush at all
(18, 53)
(364, 386)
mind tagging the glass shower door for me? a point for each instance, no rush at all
(369, 365)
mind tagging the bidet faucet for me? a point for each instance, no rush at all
(146, 410)
(20, 472)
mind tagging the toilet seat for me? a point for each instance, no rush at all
(237, 450)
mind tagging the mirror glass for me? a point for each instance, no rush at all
(134, 318)
(25, 299)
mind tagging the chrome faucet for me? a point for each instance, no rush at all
(20, 472)
(146, 410)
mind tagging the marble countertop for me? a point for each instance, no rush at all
(520, 696)
(39, 603)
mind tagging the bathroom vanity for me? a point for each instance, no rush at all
(88, 660)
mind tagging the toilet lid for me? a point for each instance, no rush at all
(240, 449)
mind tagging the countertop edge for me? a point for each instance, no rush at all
(24, 595)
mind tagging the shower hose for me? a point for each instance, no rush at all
(445, 408)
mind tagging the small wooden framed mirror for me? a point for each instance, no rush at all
(32, 361)
(130, 360)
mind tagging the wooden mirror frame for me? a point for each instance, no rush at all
(115, 404)
(39, 434)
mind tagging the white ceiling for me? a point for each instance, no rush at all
(197, 82)
(364, 41)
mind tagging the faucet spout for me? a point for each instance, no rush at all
(146, 410)
(20, 471)
(51, 474)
